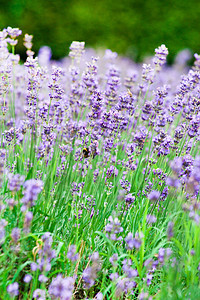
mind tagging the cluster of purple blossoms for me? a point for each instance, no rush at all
(90, 273)
(164, 254)
(133, 242)
(76, 50)
(129, 199)
(13, 289)
(46, 254)
(71, 254)
(61, 288)
(111, 171)
(77, 188)
(147, 74)
(13, 32)
(125, 284)
(27, 278)
(15, 235)
(160, 56)
(185, 173)
(39, 294)
(32, 188)
(154, 196)
(89, 77)
(15, 181)
(113, 259)
(170, 228)
(113, 228)
(151, 219)
(33, 88)
(28, 44)
(27, 221)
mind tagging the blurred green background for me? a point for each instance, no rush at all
(130, 27)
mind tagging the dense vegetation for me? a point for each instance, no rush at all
(99, 175)
(130, 27)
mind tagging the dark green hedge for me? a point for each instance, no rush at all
(131, 27)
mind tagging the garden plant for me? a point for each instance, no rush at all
(99, 175)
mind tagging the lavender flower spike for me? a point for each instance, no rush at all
(39, 294)
(13, 289)
(76, 50)
(160, 56)
(15, 234)
(61, 288)
(133, 242)
(154, 196)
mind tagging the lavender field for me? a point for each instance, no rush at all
(99, 175)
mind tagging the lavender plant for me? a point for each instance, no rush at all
(99, 175)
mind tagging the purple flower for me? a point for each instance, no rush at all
(44, 56)
(192, 252)
(46, 254)
(161, 255)
(164, 253)
(13, 289)
(27, 221)
(34, 266)
(42, 278)
(176, 165)
(111, 171)
(114, 276)
(39, 294)
(154, 196)
(174, 182)
(110, 55)
(113, 259)
(13, 32)
(113, 228)
(95, 257)
(129, 241)
(32, 189)
(61, 288)
(2, 163)
(170, 227)
(15, 234)
(28, 41)
(125, 185)
(15, 181)
(71, 253)
(130, 273)
(151, 219)
(89, 277)
(129, 198)
(160, 56)
(76, 50)
(90, 273)
(120, 287)
(147, 73)
(148, 262)
(27, 278)
(133, 242)
(149, 278)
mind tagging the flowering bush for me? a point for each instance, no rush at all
(99, 175)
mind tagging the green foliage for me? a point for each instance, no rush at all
(130, 27)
